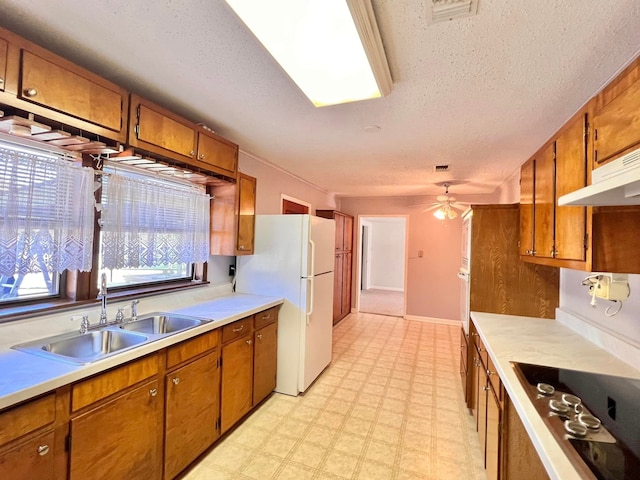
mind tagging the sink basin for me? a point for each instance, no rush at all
(162, 324)
(84, 348)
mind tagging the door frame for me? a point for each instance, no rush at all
(284, 197)
(359, 252)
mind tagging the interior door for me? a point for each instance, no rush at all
(317, 333)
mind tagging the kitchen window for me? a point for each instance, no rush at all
(153, 230)
(46, 222)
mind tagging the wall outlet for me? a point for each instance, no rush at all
(610, 286)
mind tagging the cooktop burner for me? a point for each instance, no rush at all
(592, 416)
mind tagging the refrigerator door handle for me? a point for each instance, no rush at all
(310, 311)
(312, 257)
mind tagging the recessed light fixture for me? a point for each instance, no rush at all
(330, 48)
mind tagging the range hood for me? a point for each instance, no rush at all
(616, 183)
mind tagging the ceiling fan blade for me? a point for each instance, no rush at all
(433, 207)
(459, 206)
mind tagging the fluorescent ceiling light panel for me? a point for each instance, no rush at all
(330, 48)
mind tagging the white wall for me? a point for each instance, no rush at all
(387, 248)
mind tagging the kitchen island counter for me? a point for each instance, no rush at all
(539, 341)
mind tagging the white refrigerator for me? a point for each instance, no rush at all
(294, 258)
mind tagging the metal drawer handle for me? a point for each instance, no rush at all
(485, 388)
(43, 450)
(240, 247)
(153, 392)
(192, 153)
(259, 336)
(264, 317)
(1, 80)
(489, 372)
(236, 330)
(249, 342)
(30, 92)
(201, 156)
(176, 381)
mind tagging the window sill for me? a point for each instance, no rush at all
(10, 313)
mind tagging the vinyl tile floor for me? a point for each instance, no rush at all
(388, 407)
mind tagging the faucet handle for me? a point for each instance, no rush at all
(84, 322)
(120, 315)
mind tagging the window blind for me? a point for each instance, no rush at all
(148, 222)
(46, 213)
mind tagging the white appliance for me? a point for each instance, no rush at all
(294, 258)
(615, 183)
(465, 270)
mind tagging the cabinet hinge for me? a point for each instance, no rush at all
(137, 130)
(138, 112)
(67, 443)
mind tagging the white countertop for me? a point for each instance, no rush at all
(25, 375)
(539, 341)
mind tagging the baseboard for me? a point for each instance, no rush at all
(390, 289)
(443, 321)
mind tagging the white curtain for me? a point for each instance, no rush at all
(147, 222)
(46, 213)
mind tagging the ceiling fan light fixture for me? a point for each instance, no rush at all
(330, 48)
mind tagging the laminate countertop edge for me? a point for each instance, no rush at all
(539, 341)
(25, 376)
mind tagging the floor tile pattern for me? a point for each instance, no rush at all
(389, 406)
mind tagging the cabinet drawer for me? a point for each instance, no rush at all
(70, 90)
(237, 329)
(192, 348)
(266, 317)
(27, 417)
(101, 386)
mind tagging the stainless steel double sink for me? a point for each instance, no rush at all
(83, 348)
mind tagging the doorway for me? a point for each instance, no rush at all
(382, 265)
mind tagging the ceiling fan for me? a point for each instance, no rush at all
(445, 206)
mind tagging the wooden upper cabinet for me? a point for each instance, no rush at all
(158, 130)
(219, 154)
(571, 174)
(616, 122)
(527, 186)
(66, 88)
(246, 216)
(340, 221)
(544, 205)
(3, 62)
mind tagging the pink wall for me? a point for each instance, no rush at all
(273, 181)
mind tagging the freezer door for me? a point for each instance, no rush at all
(316, 342)
(322, 245)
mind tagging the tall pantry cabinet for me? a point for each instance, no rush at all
(343, 259)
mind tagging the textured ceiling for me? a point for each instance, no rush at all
(478, 93)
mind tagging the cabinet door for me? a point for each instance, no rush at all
(246, 214)
(192, 412)
(527, 179)
(616, 121)
(32, 459)
(154, 128)
(492, 458)
(346, 285)
(348, 233)
(217, 153)
(544, 206)
(340, 221)
(475, 381)
(483, 387)
(3, 62)
(337, 287)
(68, 89)
(120, 439)
(571, 174)
(237, 373)
(265, 362)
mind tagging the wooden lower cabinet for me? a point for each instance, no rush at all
(30, 459)
(264, 362)
(119, 439)
(192, 405)
(237, 380)
(493, 436)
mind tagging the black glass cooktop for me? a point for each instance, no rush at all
(614, 400)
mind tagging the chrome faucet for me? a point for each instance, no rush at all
(84, 323)
(103, 298)
(134, 310)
